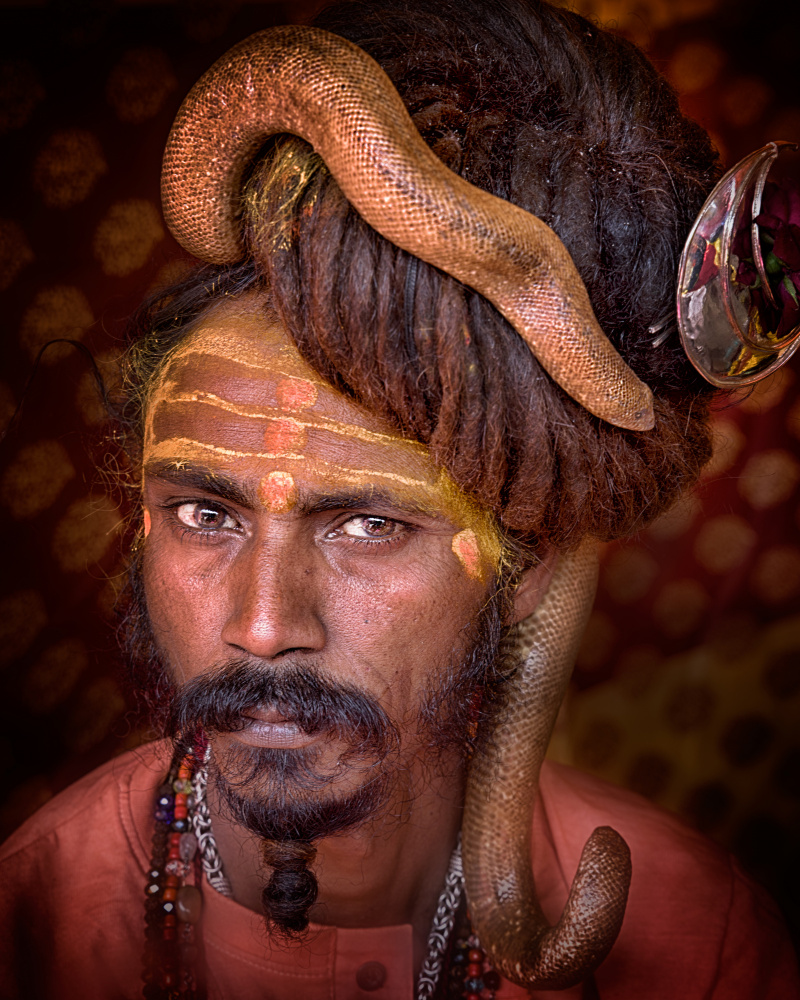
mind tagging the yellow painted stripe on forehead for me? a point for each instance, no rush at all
(256, 354)
(171, 448)
(318, 422)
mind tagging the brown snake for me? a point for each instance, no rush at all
(501, 793)
(330, 92)
(327, 90)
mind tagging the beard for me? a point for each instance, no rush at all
(292, 798)
(289, 794)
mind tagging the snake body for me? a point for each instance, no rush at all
(327, 90)
(501, 793)
(330, 92)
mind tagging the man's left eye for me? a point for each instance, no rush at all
(204, 517)
(371, 527)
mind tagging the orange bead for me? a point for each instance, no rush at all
(172, 880)
(189, 904)
(169, 895)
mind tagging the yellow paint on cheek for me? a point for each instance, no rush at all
(481, 530)
(296, 393)
(147, 524)
(278, 492)
(467, 550)
(284, 437)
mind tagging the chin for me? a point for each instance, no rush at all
(285, 796)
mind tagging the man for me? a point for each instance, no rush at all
(355, 478)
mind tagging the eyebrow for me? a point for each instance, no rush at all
(198, 477)
(357, 499)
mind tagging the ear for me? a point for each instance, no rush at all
(533, 586)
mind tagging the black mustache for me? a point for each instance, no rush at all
(218, 700)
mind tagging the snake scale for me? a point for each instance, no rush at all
(330, 92)
(333, 94)
(501, 793)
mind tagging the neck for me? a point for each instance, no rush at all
(389, 871)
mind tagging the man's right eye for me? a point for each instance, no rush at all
(205, 517)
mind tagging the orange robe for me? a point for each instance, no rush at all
(72, 883)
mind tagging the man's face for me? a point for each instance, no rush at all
(293, 537)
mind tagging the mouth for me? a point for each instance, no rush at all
(271, 729)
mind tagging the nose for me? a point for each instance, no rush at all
(274, 601)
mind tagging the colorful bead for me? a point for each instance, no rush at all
(491, 980)
(177, 867)
(188, 846)
(189, 904)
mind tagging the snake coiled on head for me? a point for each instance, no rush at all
(328, 91)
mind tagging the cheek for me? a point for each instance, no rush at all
(406, 631)
(182, 607)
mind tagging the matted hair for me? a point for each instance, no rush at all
(538, 106)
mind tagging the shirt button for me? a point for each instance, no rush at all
(371, 976)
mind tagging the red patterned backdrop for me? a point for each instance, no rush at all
(688, 684)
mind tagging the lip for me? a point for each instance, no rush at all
(268, 728)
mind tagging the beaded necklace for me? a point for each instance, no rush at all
(184, 849)
(173, 947)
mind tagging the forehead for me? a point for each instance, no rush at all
(237, 397)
